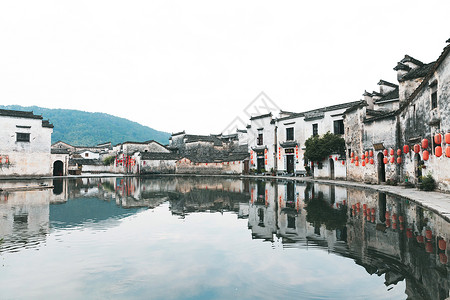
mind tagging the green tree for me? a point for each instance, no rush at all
(320, 147)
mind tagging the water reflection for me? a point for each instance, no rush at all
(384, 234)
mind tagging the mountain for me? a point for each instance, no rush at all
(80, 128)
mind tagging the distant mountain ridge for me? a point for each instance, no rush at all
(80, 128)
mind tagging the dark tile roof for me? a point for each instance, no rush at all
(261, 116)
(408, 58)
(381, 115)
(178, 133)
(316, 113)
(387, 83)
(85, 161)
(47, 124)
(366, 93)
(216, 157)
(242, 130)
(190, 138)
(394, 94)
(358, 104)
(19, 114)
(59, 151)
(401, 66)
(159, 156)
(418, 72)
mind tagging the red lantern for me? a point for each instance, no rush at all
(438, 151)
(399, 160)
(406, 149)
(428, 234)
(424, 144)
(442, 245)
(443, 258)
(353, 154)
(385, 160)
(353, 160)
(409, 233)
(447, 151)
(367, 153)
(356, 158)
(391, 152)
(437, 139)
(387, 215)
(363, 156)
(447, 138)
(428, 247)
(416, 148)
(367, 160)
(357, 163)
(371, 153)
(363, 163)
(343, 163)
(371, 161)
(364, 206)
(426, 155)
(399, 152)
(419, 239)
(392, 159)
(388, 222)
(401, 219)
(385, 152)
(335, 158)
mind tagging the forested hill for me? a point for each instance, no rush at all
(80, 128)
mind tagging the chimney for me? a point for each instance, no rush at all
(368, 97)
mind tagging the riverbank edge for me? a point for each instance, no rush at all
(437, 202)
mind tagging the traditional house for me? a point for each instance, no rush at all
(25, 140)
(400, 133)
(261, 143)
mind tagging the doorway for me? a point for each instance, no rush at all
(331, 168)
(58, 168)
(418, 167)
(290, 164)
(381, 168)
(260, 165)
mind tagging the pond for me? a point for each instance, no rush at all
(217, 238)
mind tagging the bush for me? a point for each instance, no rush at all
(428, 183)
(108, 160)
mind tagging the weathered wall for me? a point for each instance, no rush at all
(185, 166)
(157, 166)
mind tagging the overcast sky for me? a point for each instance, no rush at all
(196, 65)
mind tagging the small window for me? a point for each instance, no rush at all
(86, 154)
(22, 137)
(290, 134)
(339, 127)
(320, 166)
(315, 128)
(260, 139)
(434, 98)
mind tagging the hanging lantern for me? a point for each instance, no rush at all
(335, 158)
(438, 151)
(405, 149)
(352, 154)
(385, 152)
(399, 160)
(385, 160)
(442, 245)
(419, 239)
(391, 152)
(353, 160)
(356, 158)
(443, 258)
(428, 234)
(424, 144)
(366, 153)
(426, 155)
(357, 163)
(409, 233)
(437, 139)
(343, 163)
(392, 160)
(363, 156)
(416, 148)
(388, 222)
(447, 151)
(367, 160)
(363, 163)
(447, 138)
(399, 152)
(371, 161)
(429, 247)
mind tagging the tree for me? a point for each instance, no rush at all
(320, 147)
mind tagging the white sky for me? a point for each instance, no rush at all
(195, 65)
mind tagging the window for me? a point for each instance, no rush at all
(86, 154)
(22, 137)
(315, 129)
(260, 139)
(339, 127)
(434, 97)
(290, 134)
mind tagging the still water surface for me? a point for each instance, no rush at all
(185, 238)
